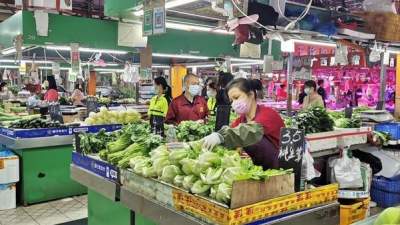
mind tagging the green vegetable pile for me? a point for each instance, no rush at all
(353, 122)
(192, 130)
(313, 120)
(200, 172)
(133, 140)
(93, 143)
(113, 117)
(30, 123)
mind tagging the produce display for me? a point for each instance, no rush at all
(193, 130)
(112, 117)
(312, 120)
(30, 123)
(133, 140)
(8, 117)
(94, 142)
(104, 101)
(342, 122)
(206, 173)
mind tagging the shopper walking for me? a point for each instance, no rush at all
(51, 94)
(312, 97)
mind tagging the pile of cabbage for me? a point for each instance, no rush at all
(204, 173)
(112, 117)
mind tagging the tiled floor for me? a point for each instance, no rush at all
(49, 213)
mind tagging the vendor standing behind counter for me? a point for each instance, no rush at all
(211, 95)
(257, 129)
(158, 107)
(51, 94)
(190, 105)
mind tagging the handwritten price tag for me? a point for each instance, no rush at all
(291, 152)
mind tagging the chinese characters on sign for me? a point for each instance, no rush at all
(153, 17)
(292, 151)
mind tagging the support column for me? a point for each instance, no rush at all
(397, 89)
(382, 89)
(290, 84)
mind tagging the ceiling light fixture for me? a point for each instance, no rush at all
(196, 27)
(83, 49)
(169, 5)
(10, 50)
(183, 56)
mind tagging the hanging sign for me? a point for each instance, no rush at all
(153, 17)
(75, 58)
(292, 151)
(148, 23)
(159, 20)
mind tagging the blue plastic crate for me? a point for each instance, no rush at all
(385, 192)
(392, 128)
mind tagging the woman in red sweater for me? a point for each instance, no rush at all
(257, 130)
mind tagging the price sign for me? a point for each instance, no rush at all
(291, 152)
(91, 105)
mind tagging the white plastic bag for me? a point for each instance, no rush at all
(348, 172)
(341, 55)
(379, 6)
(308, 170)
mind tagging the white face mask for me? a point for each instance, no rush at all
(307, 90)
(194, 90)
(211, 93)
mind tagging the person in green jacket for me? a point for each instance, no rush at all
(158, 107)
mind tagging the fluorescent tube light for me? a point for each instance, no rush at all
(169, 5)
(161, 55)
(9, 67)
(202, 66)
(10, 50)
(188, 27)
(83, 49)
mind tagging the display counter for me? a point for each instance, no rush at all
(108, 200)
(45, 158)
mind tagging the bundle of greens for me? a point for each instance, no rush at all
(93, 143)
(30, 123)
(113, 117)
(314, 120)
(192, 130)
(134, 140)
(200, 172)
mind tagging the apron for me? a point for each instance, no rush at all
(157, 125)
(264, 154)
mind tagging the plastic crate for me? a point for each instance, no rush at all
(385, 192)
(355, 212)
(392, 128)
(215, 213)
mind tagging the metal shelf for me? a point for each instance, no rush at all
(105, 187)
(28, 143)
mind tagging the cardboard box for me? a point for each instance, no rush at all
(8, 196)
(9, 167)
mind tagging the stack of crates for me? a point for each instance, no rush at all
(9, 176)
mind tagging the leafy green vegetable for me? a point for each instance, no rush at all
(188, 181)
(192, 131)
(140, 165)
(149, 172)
(200, 188)
(177, 155)
(178, 180)
(169, 173)
(314, 120)
(211, 176)
(223, 193)
(187, 165)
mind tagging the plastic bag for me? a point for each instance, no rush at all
(341, 55)
(378, 6)
(308, 170)
(348, 172)
(375, 54)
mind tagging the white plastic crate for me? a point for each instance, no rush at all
(8, 196)
(9, 167)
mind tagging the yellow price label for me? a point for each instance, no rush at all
(1, 164)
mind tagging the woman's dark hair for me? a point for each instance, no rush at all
(167, 89)
(52, 83)
(212, 84)
(246, 85)
(320, 82)
(2, 85)
(311, 83)
(224, 79)
(78, 86)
